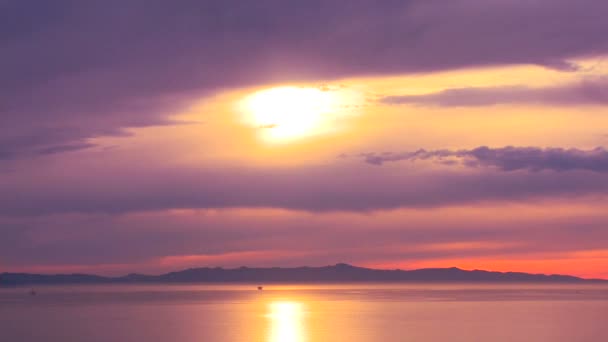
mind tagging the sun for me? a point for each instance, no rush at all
(289, 113)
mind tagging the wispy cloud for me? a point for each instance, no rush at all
(64, 148)
(506, 158)
(586, 92)
(82, 186)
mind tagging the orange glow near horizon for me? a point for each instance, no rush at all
(593, 265)
(585, 264)
(277, 241)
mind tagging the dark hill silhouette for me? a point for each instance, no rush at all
(336, 274)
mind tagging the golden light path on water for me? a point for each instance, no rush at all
(286, 321)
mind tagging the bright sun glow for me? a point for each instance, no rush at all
(286, 322)
(288, 113)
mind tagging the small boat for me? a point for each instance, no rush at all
(260, 288)
(32, 292)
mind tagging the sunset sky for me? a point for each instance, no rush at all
(150, 136)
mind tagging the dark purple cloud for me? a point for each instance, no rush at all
(507, 158)
(587, 92)
(116, 187)
(64, 148)
(92, 68)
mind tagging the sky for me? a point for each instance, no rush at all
(151, 136)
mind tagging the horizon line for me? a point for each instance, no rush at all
(339, 264)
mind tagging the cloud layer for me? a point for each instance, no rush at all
(87, 69)
(587, 92)
(506, 158)
(169, 240)
(102, 187)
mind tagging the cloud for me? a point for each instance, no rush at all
(64, 148)
(94, 184)
(561, 65)
(91, 69)
(294, 238)
(587, 92)
(44, 142)
(507, 158)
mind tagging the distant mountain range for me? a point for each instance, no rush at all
(339, 273)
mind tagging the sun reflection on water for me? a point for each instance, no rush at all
(286, 322)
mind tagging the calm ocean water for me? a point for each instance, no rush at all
(298, 313)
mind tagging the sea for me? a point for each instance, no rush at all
(298, 313)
